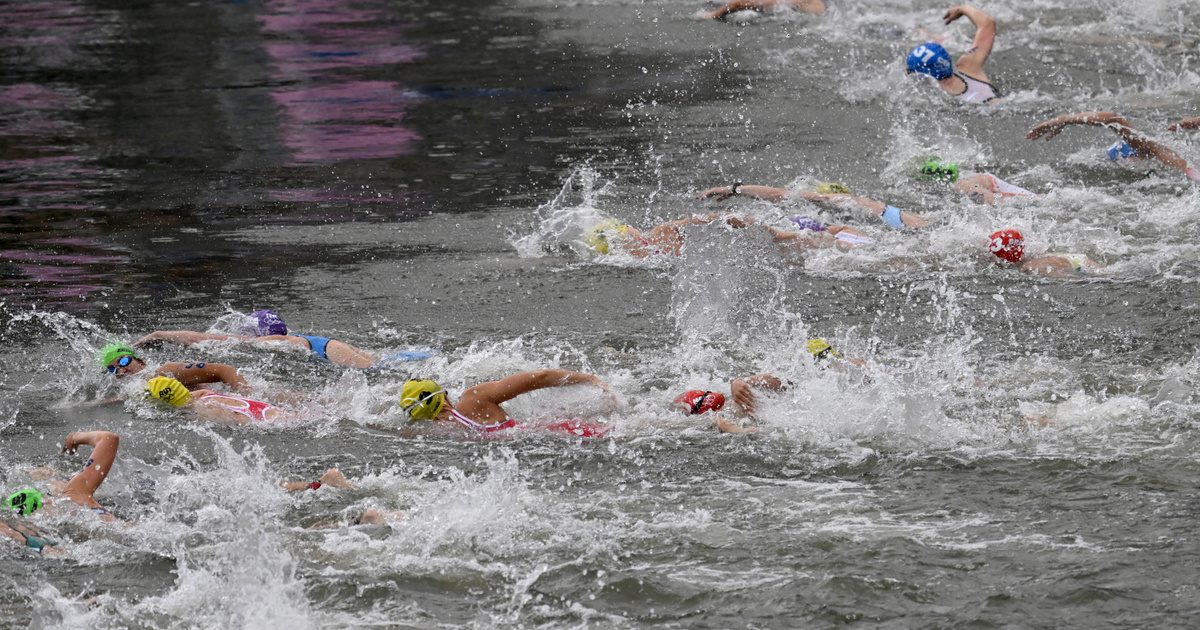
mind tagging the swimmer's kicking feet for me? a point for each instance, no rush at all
(965, 78)
(1009, 247)
(478, 408)
(1133, 145)
(815, 7)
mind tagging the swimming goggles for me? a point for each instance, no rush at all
(123, 361)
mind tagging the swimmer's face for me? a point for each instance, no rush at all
(126, 365)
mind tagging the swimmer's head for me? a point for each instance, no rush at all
(938, 170)
(422, 399)
(24, 502)
(599, 237)
(930, 59)
(119, 359)
(1007, 245)
(267, 322)
(698, 401)
(807, 223)
(168, 390)
(821, 349)
(833, 188)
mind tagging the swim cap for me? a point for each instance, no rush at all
(597, 238)
(422, 399)
(831, 188)
(697, 401)
(268, 322)
(932, 60)
(937, 169)
(25, 502)
(821, 349)
(808, 223)
(168, 390)
(1008, 245)
(1121, 150)
(114, 351)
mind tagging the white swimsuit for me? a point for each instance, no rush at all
(976, 91)
(1005, 189)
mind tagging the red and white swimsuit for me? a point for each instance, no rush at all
(576, 428)
(254, 410)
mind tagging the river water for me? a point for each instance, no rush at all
(419, 174)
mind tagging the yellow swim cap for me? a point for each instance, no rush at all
(168, 390)
(821, 349)
(597, 238)
(831, 188)
(422, 399)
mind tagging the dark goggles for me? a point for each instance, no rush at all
(123, 361)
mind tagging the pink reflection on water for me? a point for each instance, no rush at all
(334, 116)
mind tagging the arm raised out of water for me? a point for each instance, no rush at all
(754, 191)
(104, 452)
(1144, 147)
(973, 60)
(510, 387)
(193, 374)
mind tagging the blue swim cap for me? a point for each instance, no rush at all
(931, 59)
(1120, 151)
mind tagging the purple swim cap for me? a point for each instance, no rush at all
(808, 223)
(269, 323)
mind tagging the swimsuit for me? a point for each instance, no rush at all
(317, 345)
(479, 426)
(976, 91)
(891, 217)
(854, 239)
(36, 543)
(1005, 189)
(254, 410)
(1078, 261)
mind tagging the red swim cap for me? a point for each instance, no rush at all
(695, 401)
(1008, 245)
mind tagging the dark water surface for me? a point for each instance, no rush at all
(413, 174)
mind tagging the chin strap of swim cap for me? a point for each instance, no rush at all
(422, 399)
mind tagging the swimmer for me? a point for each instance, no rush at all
(334, 478)
(966, 77)
(478, 409)
(662, 239)
(696, 402)
(1132, 145)
(1009, 247)
(216, 407)
(1186, 123)
(121, 360)
(829, 194)
(815, 7)
(269, 328)
(81, 489)
(983, 188)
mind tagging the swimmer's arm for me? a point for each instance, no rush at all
(332, 478)
(725, 425)
(741, 5)
(182, 337)
(742, 389)
(985, 37)
(524, 382)
(193, 374)
(754, 191)
(1144, 146)
(104, 452)
(1186, 123)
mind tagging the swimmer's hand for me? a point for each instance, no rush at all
(1186, 123)
(743, 395)
(73, 442)
(154, 338)
(953, 13)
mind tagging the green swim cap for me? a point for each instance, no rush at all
(113, 351)
(937, 169)
(25, 502)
